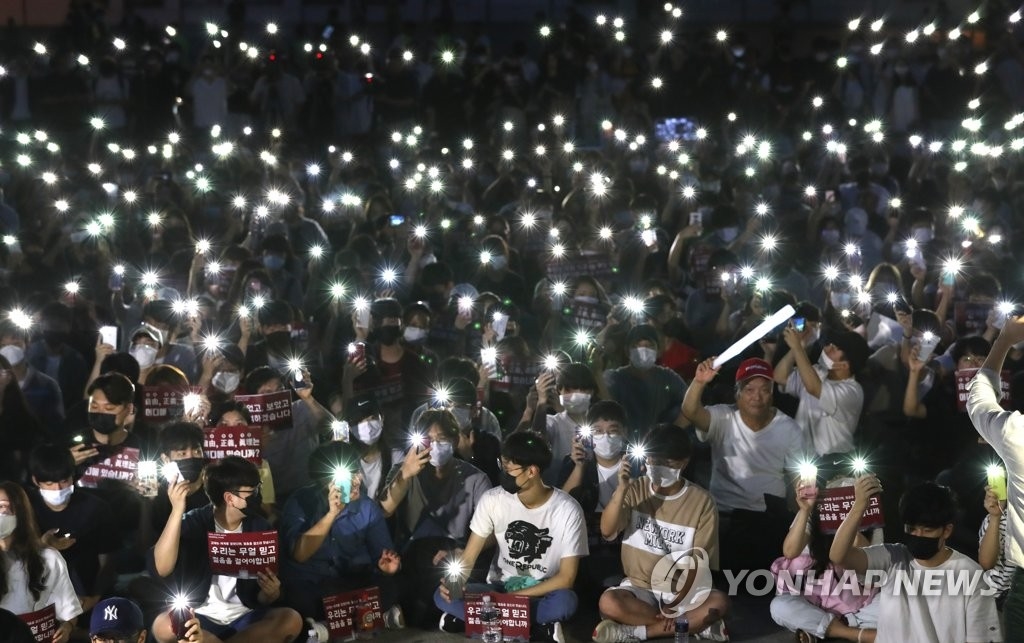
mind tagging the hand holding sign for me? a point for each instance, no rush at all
(270, 585)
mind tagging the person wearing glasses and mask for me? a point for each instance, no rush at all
(540, 535)
(224, 605)
(432, 493)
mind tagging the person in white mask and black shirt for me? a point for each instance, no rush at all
(650, 394)
(432, 493)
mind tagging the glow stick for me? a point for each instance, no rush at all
(757, 333)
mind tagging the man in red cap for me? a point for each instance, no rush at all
(755, 448)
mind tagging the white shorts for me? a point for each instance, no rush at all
(649, 596)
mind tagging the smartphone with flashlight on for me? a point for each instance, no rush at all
(343, 483)
(799, 323)
(108, 335)
(422, 443)
(181, 614)
(396, 220)
(356, 352)
(297, 379)
(586, 437)
(455, 580)
(927, 346)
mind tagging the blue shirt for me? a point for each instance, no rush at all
(356, 540)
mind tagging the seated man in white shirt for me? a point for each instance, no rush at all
(540, 535)
(754, 449)
(928, 592)
(831, 399)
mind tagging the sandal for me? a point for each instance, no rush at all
(806, 637)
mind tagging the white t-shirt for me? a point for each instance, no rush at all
(828, 422)
(531, 542)
(746, 464)
(222, 603)
(936, 611)
(607, 483)
(561, 433)
(58, 590)
(371, 476)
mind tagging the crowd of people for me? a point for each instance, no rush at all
(428, 307)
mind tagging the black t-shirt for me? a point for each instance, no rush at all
(88, 518)
(161, 508)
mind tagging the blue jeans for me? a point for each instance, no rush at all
(556, 607)
(227, 631)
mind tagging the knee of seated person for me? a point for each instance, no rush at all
(288, 620)
(610, 604)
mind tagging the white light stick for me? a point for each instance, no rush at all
(757, 333)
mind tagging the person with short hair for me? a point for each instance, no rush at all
(334, 542)
(181, 443)
(754, 449)
(947, 609)
(74, 521)
(225, 606)
(684, 519)
(576, 388)
(540, 534)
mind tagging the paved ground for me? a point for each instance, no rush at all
(749, 622)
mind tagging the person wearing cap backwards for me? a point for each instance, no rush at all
(160, 315)
(649, 393)
(119, 620)
(754, 447)
(831, 399)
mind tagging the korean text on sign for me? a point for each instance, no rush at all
(242, 555)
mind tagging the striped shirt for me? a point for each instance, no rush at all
(998, 577)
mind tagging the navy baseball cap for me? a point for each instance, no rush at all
(115, 618)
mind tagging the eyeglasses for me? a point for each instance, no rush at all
(250, 492)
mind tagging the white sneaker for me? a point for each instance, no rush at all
(556, 633)
(714, 632)
(394, 619)
(317, 631)
(612, 632)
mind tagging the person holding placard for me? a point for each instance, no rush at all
(540, 534)
(335, 539)
(225, 605)
(34, 575)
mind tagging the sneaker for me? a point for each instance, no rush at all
(555, 633)
(394, 619)
(451, 625)
(317, 631)
(612, 632)
(714, 632)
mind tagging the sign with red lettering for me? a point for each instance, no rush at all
(122, 464)
(963, 381)
(513, 612)
(270, 409)
(835, 503)
(586, 316)
(354, 613)
(167, 403)
(242, 441)
(242, 555)
(42, 623)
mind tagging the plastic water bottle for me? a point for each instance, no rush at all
(682, 629)
(491, 621)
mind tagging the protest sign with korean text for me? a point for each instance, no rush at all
(166, 402)
(122, 464)
(513, 612)
(270, 409)
(242, 555)
(835, 503)
(963, 381)
(42, 623)
(354, 613)
(245, 442)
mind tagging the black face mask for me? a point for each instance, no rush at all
(253, 505)
(191, 468)
(103, 423)
(388, 334)
(279, 341)
(921, 547)
(508, 483)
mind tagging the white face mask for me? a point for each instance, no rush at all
(226, 382)
(144, 355)
(729, 234)
(14, 354)
(609, 446)
(441, 453)
(415, 335)
(463, 416)
(575, 403)
(826, 361)
(368, 431)
(642, 357)
(8, 523)
(662, 476)
(57, 497)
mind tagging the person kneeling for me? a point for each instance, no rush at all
(229, 609)
(683, 520)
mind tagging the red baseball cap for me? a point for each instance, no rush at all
(754, 367)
